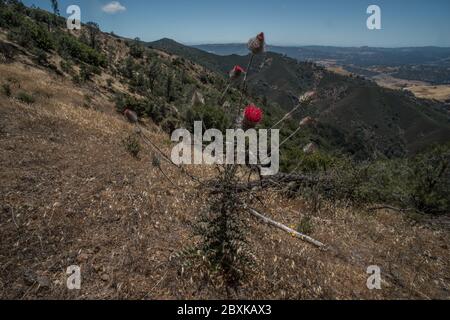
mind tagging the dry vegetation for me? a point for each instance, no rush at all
(420, 89)
(439, 92)
(71, 194)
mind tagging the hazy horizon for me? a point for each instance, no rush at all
(412, 23)
(302, 45)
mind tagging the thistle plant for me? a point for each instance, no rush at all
(223, 229)
(223, 248)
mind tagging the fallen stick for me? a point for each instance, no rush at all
(285, 228)
(388, 207)
(14, 217)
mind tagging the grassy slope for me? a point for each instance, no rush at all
(71, 194)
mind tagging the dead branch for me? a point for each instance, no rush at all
(285, 228)
(13, 217)
(388, 207)
(280, 180)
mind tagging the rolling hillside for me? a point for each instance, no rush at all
(390, 122)
(71, 194)
(358, 56)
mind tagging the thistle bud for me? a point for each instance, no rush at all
(256, 45)
(307, 121)
(131, 116)
(198, 99)
(307, 97)
(311, 148)
(252, 116)
(236, 72)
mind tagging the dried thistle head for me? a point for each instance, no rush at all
(307, 97)
(256, 45)
(307, 122)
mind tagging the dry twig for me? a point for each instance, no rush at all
(285, 228)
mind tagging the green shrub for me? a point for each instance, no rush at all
(9, 18)
(305, 226)
(212, 117)
(431, 180)
(30, 34)
(76, 79)
(41, 57)
(157, 112)
(85, 73)
(316, 162)
(421, 183)
(170, 124)
(132, 145)
(26, 98)
(70, 47)
(136, 49)
(41, 16)
(125, 101)
(382, 181)
(88, 99)
(6, 88)
(7, 52)
(66, 66)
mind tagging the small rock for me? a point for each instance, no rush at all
(83, 257)
(105, 277)
(29, 277)
(44, 282)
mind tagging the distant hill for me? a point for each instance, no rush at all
(427, 64)
(359, 56)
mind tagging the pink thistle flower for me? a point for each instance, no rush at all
(307, 121)
(236, 72)
(256, 45)
(252, 116)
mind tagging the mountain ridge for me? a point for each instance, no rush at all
(345, 103)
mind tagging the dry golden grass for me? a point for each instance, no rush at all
(440, 92)
(339, 70)
(418, 88)
(71, 195)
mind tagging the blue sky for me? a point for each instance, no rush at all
(285, 22)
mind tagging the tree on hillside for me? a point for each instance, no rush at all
(94, 30)
(153, 72)
(55, 9)
(169, 87)
(136, 49)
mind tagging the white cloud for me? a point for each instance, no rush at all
(113, 7)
